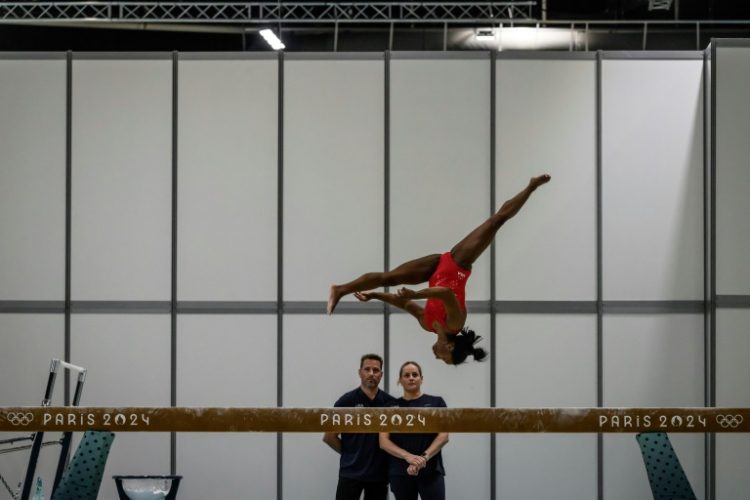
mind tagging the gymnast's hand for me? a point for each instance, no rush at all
(363, 296)
(406, 293)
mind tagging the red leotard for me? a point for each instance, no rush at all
(450, 275)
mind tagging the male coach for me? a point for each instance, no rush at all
(363, 465)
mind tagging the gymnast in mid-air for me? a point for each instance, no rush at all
(444, 313)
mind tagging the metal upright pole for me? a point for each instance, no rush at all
(37, 445)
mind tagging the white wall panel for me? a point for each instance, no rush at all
(732, 374)
(732, 457)
(122, 174)
(732, 347)
(548, 251)
(652, 154)
(440, 159)
(227, 135)
(667, 351)
(127, 357)
(226, 361)
(546, 361)
(466, 456)
(215, 353)
(732, 66)
(333, 174)
(651, 361)
(32, 179)
(27, 345)
(652, 175)
(312, 379)
(226, 465)
(467, 464)
(559, 466)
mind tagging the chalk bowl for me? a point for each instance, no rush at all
(147, 487)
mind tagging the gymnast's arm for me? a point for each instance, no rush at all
(389, 298)
(452, 308)
(333, 440)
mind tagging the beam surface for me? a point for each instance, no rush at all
(407, 420)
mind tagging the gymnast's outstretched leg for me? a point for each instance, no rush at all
(471, 247)
(409, 273)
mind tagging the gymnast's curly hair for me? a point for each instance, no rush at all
(463, 345)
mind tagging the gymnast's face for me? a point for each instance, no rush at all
(443, 350)
(370, 373)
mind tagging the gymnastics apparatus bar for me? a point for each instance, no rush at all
(356, 420)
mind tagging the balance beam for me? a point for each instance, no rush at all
(358, 420)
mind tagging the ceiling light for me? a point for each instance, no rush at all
(659, 4)
(528, 38)
(485, 34)
(270, 37)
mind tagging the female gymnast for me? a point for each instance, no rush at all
(444, 312)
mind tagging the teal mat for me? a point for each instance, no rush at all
(83, 476)
(668, 480)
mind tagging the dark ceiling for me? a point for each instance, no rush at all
(377, 37)
(638, 9)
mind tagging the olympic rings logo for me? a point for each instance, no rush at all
(727, 421)
(20, 418)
